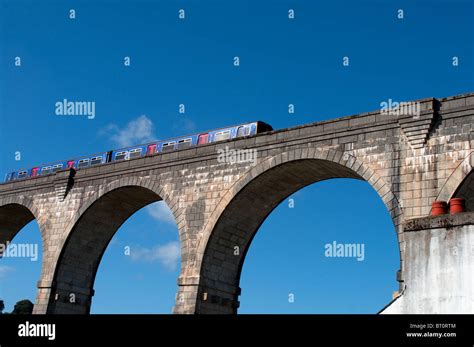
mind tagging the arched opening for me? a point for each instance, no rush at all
(328, 248)
(73, 284)
(466, 191)
(459, 184)
(20, 255)
(13, 217)
(138, 271)
(238, 224)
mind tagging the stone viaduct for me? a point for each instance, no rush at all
(219, 206)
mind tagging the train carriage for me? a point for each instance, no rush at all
(93, 160)
(129, 153)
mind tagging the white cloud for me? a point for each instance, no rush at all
(185, 125)
(4, 270)
(137, 131)
(167, 255)
(161, 212)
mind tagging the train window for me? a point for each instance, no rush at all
(151, 149)
(243, 131)
(222, 135)
(203, 138)
(184, 143)
(46, 170)
(169, 146)
(57, 167)
(121, 155)
(135, 153)
(22, 174)
(96, 160)
(83, 163)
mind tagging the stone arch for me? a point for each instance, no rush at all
(460, 182)
(218, 269)
(160, 191)
(88, 236)
(15, 213)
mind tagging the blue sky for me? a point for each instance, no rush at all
(190, 62)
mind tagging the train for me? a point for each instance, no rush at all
(153, 148)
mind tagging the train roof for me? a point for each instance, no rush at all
(131, 146)
(193, 134)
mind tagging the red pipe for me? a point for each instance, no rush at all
(439, 208)
(457, 205)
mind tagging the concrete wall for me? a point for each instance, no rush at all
(439, 266)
